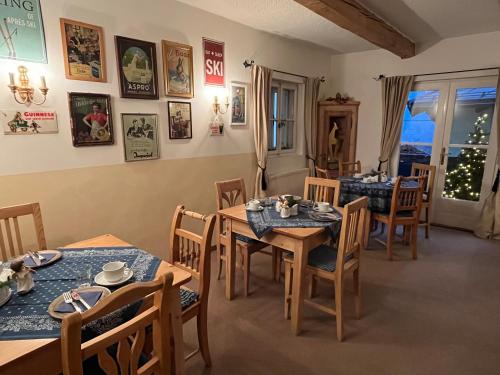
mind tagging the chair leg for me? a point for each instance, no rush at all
(276, 254)
(427, 222)
(414, 233)
(390, 238)
(338, 310)
(357, 292)
(246, 272)
(201, 321)
(219, 256)
(288, 288)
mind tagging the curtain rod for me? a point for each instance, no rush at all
(248, 64)
(450, 72)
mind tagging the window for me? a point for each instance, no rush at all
(283, 117)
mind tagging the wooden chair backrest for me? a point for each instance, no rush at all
(351, 233)
(321, 173)
(11, 214)
(130, 336)
(191, 251)
(229, 193)
(429, 172)
(406, 198)
(349, 168)
(322, 190)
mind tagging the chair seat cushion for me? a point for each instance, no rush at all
(245, 239)
(188, 298)
(323, 257)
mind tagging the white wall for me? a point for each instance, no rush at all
(151, 20)
(352, 73)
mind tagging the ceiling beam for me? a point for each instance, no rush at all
(352, 16)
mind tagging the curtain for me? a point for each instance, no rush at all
(395, 92)
(261, 98)
(311, 122)
(489, 221)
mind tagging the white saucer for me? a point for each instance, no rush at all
(100, 280)
(254, 210)
(4, 301)
(330, 209)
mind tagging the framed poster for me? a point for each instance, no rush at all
(43, 121)
(21, 31)
(91, 120)
(178, 69)
(239, 107)
(213, 61)
(179, 120)
(83, 48)
(137, 68)
(140, 136)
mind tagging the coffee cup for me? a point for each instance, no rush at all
(254, 204)
(322, 206)
(114, 271)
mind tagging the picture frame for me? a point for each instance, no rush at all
(239, 103)
(213, 62)
(137, 68)
(140, 136)
(179, 120)
(91, 119)
(15, 122)
(178, 69)
(83, 50)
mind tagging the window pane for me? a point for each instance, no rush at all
(287, 128)
(287, 104)
(420, 116)
(409, 154)
(473, 115)
(274, 102)
(272, 135)
(464, 173)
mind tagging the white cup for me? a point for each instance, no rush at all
(285, 212)
(323, 206)
(254, 204)
(114, 271)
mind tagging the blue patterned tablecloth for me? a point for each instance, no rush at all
(26, 317)
(264, 221)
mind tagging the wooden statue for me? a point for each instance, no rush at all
(334, 143)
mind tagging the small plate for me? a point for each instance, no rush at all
(6, 299)
(254, 210)
(55, 258)
(316, 209)
(101, 280)
(324, 217)
(58, 300)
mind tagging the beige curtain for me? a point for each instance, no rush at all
(489, 222)
(311, 122)
(395, 92)
(261, 98)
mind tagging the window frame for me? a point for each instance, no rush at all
(281, 85)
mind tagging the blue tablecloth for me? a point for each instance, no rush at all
(26, 317)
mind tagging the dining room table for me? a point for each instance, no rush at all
(298, 240)
(39, 355)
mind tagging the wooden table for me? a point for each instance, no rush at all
(43, 356)
(298, 240)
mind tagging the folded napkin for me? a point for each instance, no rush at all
(91, 297)
(28, 261)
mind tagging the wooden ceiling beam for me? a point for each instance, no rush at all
(352, 16)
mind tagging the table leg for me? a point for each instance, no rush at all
(176, 322)
(298, 285)
(230, 259)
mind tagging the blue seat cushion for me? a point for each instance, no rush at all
(188, 297)
(245, 239)
(323, 257)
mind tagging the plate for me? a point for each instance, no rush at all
(100, 280)
(254, 210)
(55, 258)
(58, 300)
(324, 217)
(6, 299)
(316, 209)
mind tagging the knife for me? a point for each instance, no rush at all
(77, 297)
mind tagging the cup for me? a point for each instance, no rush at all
(322, 206)
(114, 271)
(393, 180)
(285, 212)
(254, 204)
(84, 275)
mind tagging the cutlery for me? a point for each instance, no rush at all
(68, 299)
(77, 297)
(39, 256)
(35, 259)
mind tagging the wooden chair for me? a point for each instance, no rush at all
(129, 336)
(330, 264)
(322, 190)
(429, 172)
(349, 168)
(231, 193)
(191, 252)
(406, 204)
(321, 173)
(8, 214)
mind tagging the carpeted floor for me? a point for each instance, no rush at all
(437, 315)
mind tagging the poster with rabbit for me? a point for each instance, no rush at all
(178, 69)
(28, 122)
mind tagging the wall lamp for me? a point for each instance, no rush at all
(217, 107)
(24, 93)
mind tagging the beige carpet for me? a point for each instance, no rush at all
(437, 315)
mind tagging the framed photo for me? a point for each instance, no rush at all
(179, 120)
(140, 136)
(213, 61)
(178, 69)
(137, 68)
(29, 122)
(22, 36)
(239, 107)
(83, 48)
(91, 120)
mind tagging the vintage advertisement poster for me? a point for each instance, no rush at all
(238, 103)
(179, 120)
(140, 136)
(217, 126)
(22, 35)
(213, 53)
(91, 120)
(40, 121)
(178, 69)
(83, 48)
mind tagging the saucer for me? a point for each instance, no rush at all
(254, 210)
(101, 280)
(330, 209)
(6, 299)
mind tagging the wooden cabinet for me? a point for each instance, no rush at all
(337, 133)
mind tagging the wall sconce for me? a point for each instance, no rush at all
(24, 93)
(217, 106)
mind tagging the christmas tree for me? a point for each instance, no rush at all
(464, 180)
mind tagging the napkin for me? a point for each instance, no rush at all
(28, 261)
(91, 297)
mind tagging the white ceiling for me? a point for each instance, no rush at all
(423, 21)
